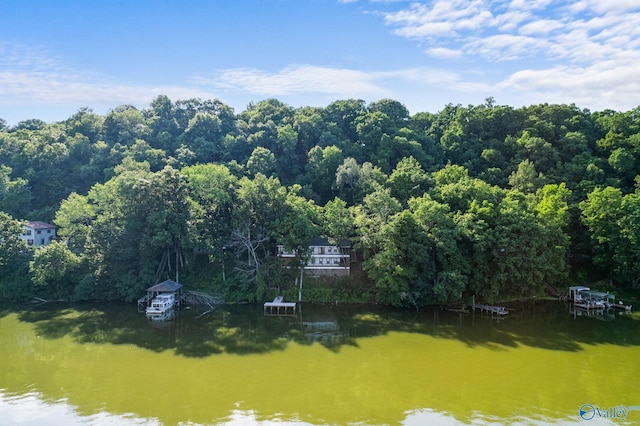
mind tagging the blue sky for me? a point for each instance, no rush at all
(59, 56)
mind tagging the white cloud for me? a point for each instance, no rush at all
(582, 51)
(541, 27)
(602, 6)
(510, 20)
(29, 76)
(34, 80)
(520, 28)
(422, 76)
(443, 52)
(606, 85)
(293, 80)
(585, 50)
(504, 47)
(443, 18)
(310, 79)
(53, 89)
(531, 5)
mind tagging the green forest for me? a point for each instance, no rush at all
(486, 201)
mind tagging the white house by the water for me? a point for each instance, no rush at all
(326, 258)
(37, 234)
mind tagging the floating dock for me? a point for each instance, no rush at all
(280, 308)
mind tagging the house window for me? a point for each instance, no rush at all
(39, 232)
(28, 232)
(30, 242)
(41, 241)
(48, 231)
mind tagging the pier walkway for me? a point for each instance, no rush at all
(498, 310)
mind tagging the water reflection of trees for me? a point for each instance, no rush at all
(243, 330)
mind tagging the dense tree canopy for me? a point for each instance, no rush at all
(488, 200)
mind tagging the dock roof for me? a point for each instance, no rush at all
(168, 285)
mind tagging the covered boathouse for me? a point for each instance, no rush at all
(168, 287)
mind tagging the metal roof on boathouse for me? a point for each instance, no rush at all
(165, 286)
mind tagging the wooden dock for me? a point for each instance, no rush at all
(490, 309)
(279, 308)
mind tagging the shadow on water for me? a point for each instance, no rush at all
(244, 330)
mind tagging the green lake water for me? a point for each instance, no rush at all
(108, 364)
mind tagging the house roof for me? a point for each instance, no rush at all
(36, 224)
(322, 241)
(164, 286)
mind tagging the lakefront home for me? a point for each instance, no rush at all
(37, 234)
(326, 258)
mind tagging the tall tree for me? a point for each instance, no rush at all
(10, 242)
(322, 164)
(212, 194)
(54, 269)
(127, 227)
(15, 195)
(204, 137)
(261, 161)
(408, 180)
(260, 205)
(124, 125)
(515, 254)
(526, 178)
(338, 222)
(612, 219)
(298, 224)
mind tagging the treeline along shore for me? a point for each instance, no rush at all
(486, 201)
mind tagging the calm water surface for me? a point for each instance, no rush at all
(94, 364)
